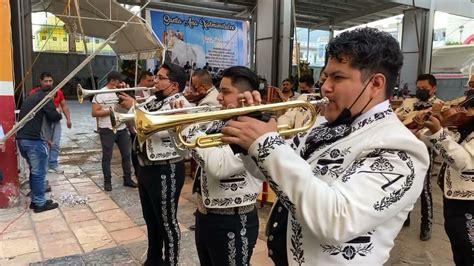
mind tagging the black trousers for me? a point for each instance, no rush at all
(134, 155)
(107, 139)
(459, 226)
(159, 187)
(276, 231)
(226, 239)
(426, 204)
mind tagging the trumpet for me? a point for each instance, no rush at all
(138, 99)
(147, 124)
(83, 93)
(117, 118)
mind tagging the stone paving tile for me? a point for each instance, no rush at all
(48, 215)
(129, 235)
(24, 259)
(97, 196)
(15, 234)
(60, 248)
(90, 231)
(125, 197)
(23, 223)
(119, 255)
(70, 260)
(98, 245)
(103, 205)
(137, 250)
(135, 213)
(85, 190)
(51, 226)
(48, 238)
(115, 220)
(19, 246)
(78, 215)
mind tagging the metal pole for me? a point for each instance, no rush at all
(136, 69)
(51, 94)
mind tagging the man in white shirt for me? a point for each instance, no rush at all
(344, 187)
(100, 109)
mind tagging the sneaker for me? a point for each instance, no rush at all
(107, 186)
(46, 207)
(129, 183)
(56, 170)
(33, 205)
(425, 235)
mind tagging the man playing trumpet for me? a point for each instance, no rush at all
(161, 171)
(226, 220)
(101, 105)
(345, 187)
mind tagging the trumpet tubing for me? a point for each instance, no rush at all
(119, 118)
(83, 93)
(148, 125)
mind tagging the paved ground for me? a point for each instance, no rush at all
(109, 227)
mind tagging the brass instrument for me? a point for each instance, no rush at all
(117, 118)
(83, 93)
(147, 125)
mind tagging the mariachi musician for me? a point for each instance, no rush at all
(456, 176)
(425, 99)
(161, 171)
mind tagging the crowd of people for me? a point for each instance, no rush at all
(344, 188)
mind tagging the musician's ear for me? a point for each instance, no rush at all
(378, 85)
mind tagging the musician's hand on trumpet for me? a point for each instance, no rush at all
(245, 130)
(177, 105)
(126, 101)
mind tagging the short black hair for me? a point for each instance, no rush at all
(430, 78)
(203, 75)
(242, 78)
(145, 74)
(176, 74)
(287, 79)
(371, 51)
(309, 80)
(45, 74)
(115, 75)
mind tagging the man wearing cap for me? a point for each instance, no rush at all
(161, 171)
(100, 109)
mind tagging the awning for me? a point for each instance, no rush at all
(453, 59)
(101, 18)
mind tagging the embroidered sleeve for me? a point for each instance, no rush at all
(217, 162)
(368, 193)
(458, 156)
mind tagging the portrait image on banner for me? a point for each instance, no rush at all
(201, 39)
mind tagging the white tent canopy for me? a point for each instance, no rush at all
(453, 59)
(101, 18)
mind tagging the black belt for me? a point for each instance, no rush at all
(227, 211)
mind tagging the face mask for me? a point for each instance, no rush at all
(422, 95)
(469, 93)
(160, 95)
(345, 117)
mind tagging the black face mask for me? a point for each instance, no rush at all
(345, 117)
(469, 93)
(160, 95)
(422, 95)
